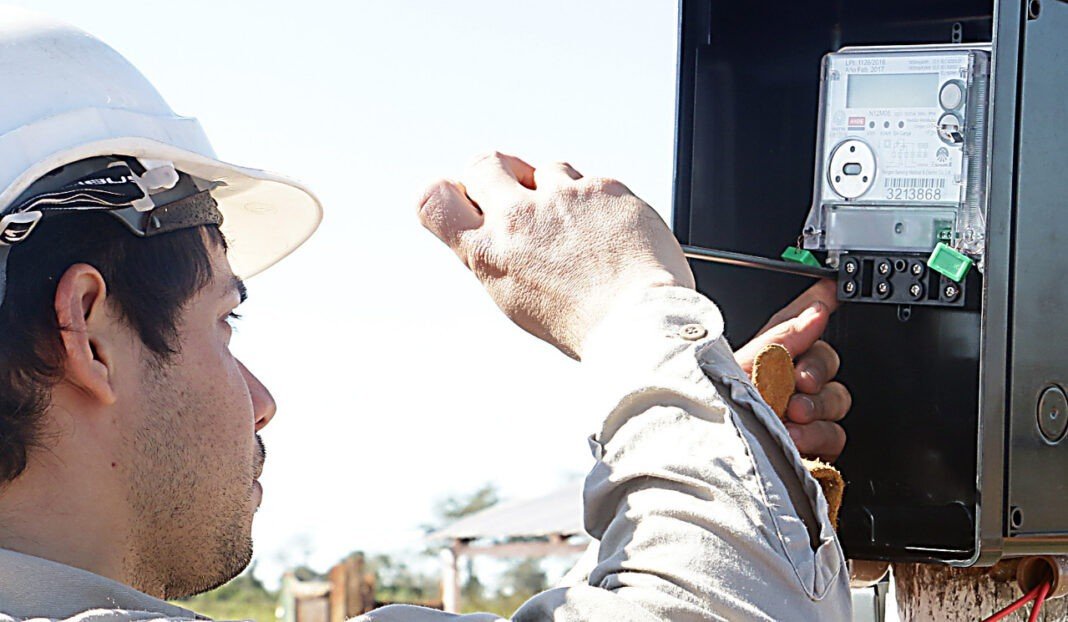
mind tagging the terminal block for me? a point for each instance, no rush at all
(898, 279)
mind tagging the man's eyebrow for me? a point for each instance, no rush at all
(238, 285)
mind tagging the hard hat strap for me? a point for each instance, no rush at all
(113, 185)
(193, 211)
(115, 189)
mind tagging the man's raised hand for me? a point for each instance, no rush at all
(555, 250)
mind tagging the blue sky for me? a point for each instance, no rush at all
(398, 381)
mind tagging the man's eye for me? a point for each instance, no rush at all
(232, 318)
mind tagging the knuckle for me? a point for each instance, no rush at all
(604, 185)
(434, 193)
(491, 155)
(569, 170)
(432, 205)
(435, 186)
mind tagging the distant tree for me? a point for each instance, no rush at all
(395, 582)
(522, 580)
(458, 506)
(452, 509)
(305, 573)
(525, 578)
(472, 590)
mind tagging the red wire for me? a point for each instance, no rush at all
(1011, 609)
(1041, 598)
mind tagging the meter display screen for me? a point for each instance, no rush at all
(892, 90)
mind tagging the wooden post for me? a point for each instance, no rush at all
(367, 592)
(450, 577)
(932, 592)
(338, 597)
(355, 585)
(349, 596)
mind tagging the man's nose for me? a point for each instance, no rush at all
(263, 406)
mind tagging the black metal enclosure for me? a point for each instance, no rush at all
(945, 461)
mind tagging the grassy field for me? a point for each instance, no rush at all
(243, 598)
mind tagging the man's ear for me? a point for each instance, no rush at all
(87, 331)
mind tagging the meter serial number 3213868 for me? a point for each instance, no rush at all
(914, 194)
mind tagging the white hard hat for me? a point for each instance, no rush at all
(65, 96)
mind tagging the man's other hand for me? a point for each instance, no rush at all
(819, 402)
(555, 250)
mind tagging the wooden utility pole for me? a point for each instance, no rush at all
(933, 592)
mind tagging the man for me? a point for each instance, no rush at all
(128, 454)
(128, 447)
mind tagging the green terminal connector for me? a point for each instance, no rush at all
(945, 235)
(949, 262)
(800, 255)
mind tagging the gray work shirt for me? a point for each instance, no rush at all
(694, 497)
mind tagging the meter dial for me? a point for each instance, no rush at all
(952, 95)
(951, 129)
(851, 171)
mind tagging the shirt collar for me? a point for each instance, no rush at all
(35, 587)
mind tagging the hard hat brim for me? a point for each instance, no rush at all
(266, 216)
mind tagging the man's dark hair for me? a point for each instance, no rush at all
(150, 280)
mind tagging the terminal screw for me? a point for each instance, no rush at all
(850, 267)
(917, 269)
(951, 292)
(916, 291)
(884, 268)
(849, 288)
(883, 289)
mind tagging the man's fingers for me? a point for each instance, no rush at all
(825, 291)
(816, 367)
(497, 180)
(797, 335)
(831, 403)
(446, 211)
(555, 174)
(822, 439)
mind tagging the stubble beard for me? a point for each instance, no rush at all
(192, 531)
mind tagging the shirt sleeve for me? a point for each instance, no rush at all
(695, 487)
(694, 520)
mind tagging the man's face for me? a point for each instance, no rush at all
(195, 451)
